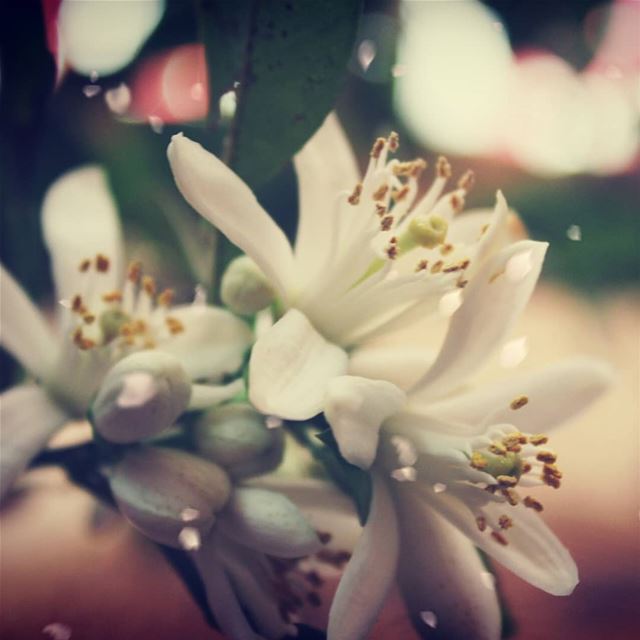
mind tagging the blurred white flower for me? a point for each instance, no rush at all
(102, 317)
(369, 256)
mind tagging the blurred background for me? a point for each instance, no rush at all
(541, 99)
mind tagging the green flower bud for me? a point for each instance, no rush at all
(235, 437)
(268, 522)
(164, 492)
(428, 231)
(244, 288)
(141, 395)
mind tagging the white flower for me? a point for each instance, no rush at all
(473, 458)
(103, 316)
(367, 258)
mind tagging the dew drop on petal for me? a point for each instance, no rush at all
(137, 389)
(574, 232)
(189, 539)
(439, 487)
(366, 53)
(57, 631)
(189, 514)
(429, 618)
(197, 92)
(398, 70)
(404, 474)
(118, 99)
(405, 450)
(156, 124)
(488, 580)
(518, 266)
(450, 303)
(228, 103)
(91, 90)
(273, 422)
(514, 352)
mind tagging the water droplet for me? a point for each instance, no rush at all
(137, 389)
(404, 474)
(118, 99)
(366, 53)
(574, 232)
(488, 580)
(439, 487)
(156, 123)
(450, 303)
(189, 539)
(93, 76)
(197, 92)
(273, 422)
(228, 103)
(429, 618)
(65, 303)
(398, 70)
(518, 266)
(407, 455)
(91, 90)
(514, 352)
(57, 631)
(189, 514)
(199, 296)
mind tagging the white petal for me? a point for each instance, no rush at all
(441, 571)
(325, 167)
(221, 597)
(403, 366)
(556, 394)
(23, 331)
(220, 196)
(213, 341)
(207, 395)
(492, 303)
(369, 574)
(533, 552)
(268, 522)
(80, 220)
(290, 367)
(355, 408)
(28, 418)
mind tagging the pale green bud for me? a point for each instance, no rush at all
(269, 522)
(164, 492)
(141, 395)
(235, 437)
(244, 287)
(428, 231)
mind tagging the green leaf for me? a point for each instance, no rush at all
(288, 58)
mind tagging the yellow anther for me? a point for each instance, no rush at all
(511, 495)
(76, 304)
(354, 198)
(436, 267)
(481, 522)
(149, 285)
(399, 195)
(422, 266)
(538, 439)
(88, 318)
(461, 283)
(457, 203)
(134, 272)
(381, 192)
(478, 461)
(81, 342)
(532, 503)
(377, 148)
(380, 209)
(394, 141)
(385, 223)
(467, 180)
(547, 456)
(498, 449)
(112, 296)
(166, 297)
(102, 263)
(443, 168)
(446, 249)
(84, 265)
(519, 402)
(507, 481)
(505, 522)
(174, 325)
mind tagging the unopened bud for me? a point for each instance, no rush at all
(163, 491)
(244, 288)
(269, 522)
(235, 437)
(142, 395)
